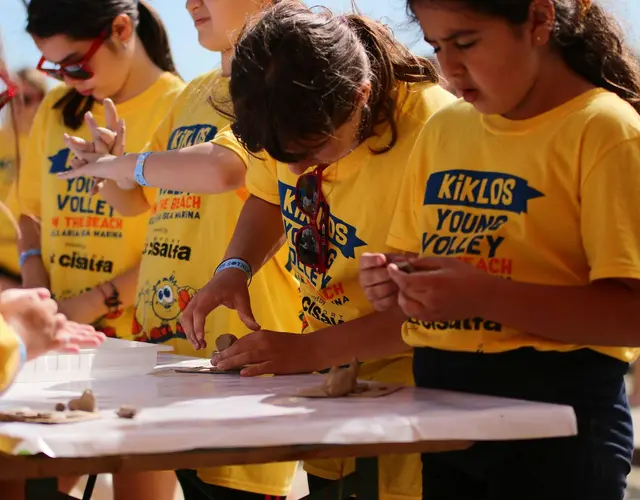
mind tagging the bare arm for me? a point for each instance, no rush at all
(89, 306)
(128, 203)
(33, 272)
(204, 168)
(259, 233)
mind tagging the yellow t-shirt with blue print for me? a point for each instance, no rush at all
(84, 241)
(186, 238)
(549, 200)
(361, 190)
(8, 196)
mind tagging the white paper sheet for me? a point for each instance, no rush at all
(180, 412)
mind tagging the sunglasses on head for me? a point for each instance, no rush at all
(9, 93)
(76, 70)
(312, 240)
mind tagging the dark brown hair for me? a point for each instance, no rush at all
(296, 76)
(87, 20)
(589, 40)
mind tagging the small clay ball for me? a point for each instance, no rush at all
(126, 412)
(225, 341)
(61, 407)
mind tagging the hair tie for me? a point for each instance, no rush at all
(583, 6)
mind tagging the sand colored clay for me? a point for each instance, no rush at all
(225, 341)
(86, 402)
(340, 382)
(126, 412)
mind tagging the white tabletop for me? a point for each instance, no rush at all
(181, 412)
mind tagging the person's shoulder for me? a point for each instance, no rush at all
(606, 114)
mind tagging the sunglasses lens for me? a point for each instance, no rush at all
(307, 193)
(77, 72)
(308, 247)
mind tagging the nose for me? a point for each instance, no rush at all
(192, 5)
(451, 64)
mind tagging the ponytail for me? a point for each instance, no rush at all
(592, 44)
(390, 62)
(154, 38)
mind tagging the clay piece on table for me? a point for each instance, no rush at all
(127, 412)
(46, 417)
(225, 341)
(86, 402)
(209, 370)
(343, 382)
(61, 407)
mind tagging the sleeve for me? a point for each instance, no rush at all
(610, 219)
(13, 355)
(31, 164)
(404, 233)
(160, 139)
(262, 173)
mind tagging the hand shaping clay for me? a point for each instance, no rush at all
(86, 402)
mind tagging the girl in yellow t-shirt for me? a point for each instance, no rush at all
(200, 228)
(342, 93)
(29, 87)
(72, 242)
(521, 200)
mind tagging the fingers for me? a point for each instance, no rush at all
(434, 263)
(193, 320)
(372, 261)
(110, 114)
(266, 368)
(411, 307)
(82, 149)
(243, 307)
(98, 170)
(121, 134)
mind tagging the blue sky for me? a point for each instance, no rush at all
(192, 60)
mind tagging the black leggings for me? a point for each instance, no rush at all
(591, 466)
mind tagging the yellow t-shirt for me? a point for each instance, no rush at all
(361, 190)
(9, 355)
(8, 195)
(187, 237)
(84, 241)
(549, 200)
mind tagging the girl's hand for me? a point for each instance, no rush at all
(227, 288)
(108, 144)
(441, 289)
(378, 286)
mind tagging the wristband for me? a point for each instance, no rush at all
(138, 173)
(32, 252)
(241, 264)
(112, 302)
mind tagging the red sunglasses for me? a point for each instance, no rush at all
(312, 240)
(77, 70)
(9, 93)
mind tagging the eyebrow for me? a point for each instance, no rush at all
(453, 35)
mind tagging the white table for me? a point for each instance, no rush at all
(196, 420)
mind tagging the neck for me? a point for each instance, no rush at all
(227, 55)
(143, 75)
(556, 84)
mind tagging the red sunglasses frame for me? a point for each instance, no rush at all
(320, 231)
(60, 72)
(10, 93)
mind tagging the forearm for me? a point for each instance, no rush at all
(603, 313)
(258, 235)
(373, 336)
(204, 168)
(126, 202)
(89, 306)
(33, 271)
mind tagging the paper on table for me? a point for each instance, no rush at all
(184, 412)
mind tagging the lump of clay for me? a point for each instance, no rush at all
(126, 412)
(341, 382)
(86, 402)
(61, 407)
(225, 341)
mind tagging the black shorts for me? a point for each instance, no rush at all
(194, 488)
(590, 466)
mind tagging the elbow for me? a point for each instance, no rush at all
(228, 180)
